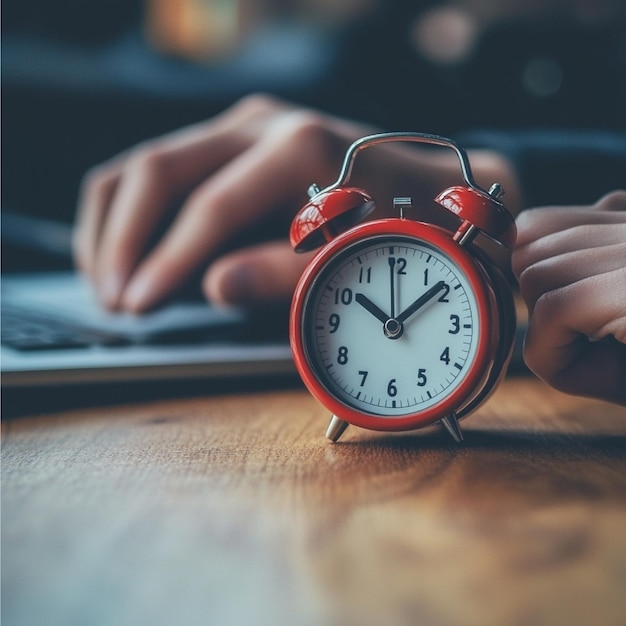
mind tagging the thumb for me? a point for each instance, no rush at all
(263, 274)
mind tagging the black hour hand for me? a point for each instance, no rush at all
(369, 306)
(421, 301)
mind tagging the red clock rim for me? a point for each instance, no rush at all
(482, 361)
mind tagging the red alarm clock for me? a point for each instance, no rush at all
(395, 323)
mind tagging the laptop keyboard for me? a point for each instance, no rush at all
(25, 330)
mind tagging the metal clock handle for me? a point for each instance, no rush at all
(411, 137)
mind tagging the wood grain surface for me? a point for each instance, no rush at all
(234, 510)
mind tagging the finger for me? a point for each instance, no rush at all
(583, 237)
(96, 193)
(612, 201)
(263, 273)
(564, 269)
(533, 224)
(270, 174)
(140, 203)
(558, 346)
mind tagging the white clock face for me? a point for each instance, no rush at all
(392, 326)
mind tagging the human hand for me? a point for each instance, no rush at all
(158, 214)
(571, 266)
(215, 201)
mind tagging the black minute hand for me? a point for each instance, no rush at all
(421, 301)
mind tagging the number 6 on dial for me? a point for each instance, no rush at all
(396, 324)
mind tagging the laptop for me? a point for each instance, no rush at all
(54, 332)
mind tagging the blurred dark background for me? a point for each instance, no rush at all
(84, 79)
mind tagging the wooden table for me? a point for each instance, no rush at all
(234, 510)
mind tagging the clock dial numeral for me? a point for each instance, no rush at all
(456, 324)
(421, 377)
(445, 355)
(444, 296)
(401, 265)
(392, 390)
(333, 321)
(363, 375)
(344, 296)
(342, 355)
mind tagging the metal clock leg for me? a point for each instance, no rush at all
(451, 424)
(336, 428)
